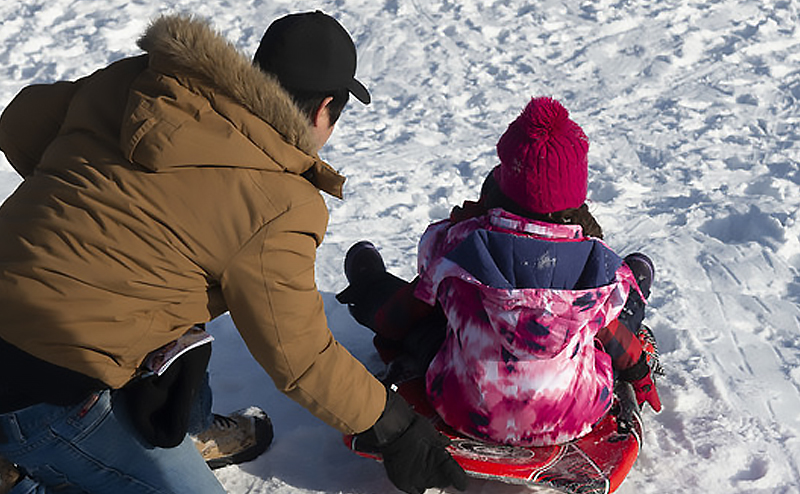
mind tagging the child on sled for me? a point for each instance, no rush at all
(520, 315)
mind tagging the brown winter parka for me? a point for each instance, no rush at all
(163, 191)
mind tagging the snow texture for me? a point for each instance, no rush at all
(692, 108)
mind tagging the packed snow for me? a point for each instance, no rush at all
(692, 108)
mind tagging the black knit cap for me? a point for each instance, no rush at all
(310, 51)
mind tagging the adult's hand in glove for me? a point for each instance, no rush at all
(413, 451)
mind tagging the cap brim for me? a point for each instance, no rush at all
(359, 91)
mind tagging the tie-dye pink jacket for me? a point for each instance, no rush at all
(520, 364)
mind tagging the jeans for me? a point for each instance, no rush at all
(200, 416)
(92, 448)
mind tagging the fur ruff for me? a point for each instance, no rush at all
(192, 48)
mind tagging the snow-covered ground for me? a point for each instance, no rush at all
(692, 108)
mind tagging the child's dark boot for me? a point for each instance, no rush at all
(643, 270)
(363, 264)
(632, 314)
(370, 284)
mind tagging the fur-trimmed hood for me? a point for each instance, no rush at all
(191, 48)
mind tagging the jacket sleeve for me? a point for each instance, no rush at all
(621, 344)
(31, 121)
(271, 293)
(620, 338)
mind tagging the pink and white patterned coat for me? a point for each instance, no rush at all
(519, 365)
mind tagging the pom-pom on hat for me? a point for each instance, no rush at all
(543, 166)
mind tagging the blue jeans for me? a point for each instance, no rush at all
(92, 448)
(200, 416)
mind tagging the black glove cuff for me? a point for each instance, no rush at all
(396, 418)
(636, 371)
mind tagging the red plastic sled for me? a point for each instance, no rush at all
(594, 464)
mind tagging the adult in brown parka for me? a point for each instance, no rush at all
(161, 191)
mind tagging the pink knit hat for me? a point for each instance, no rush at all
(543, 165)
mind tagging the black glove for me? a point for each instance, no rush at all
(413, 451)
(159, 406)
